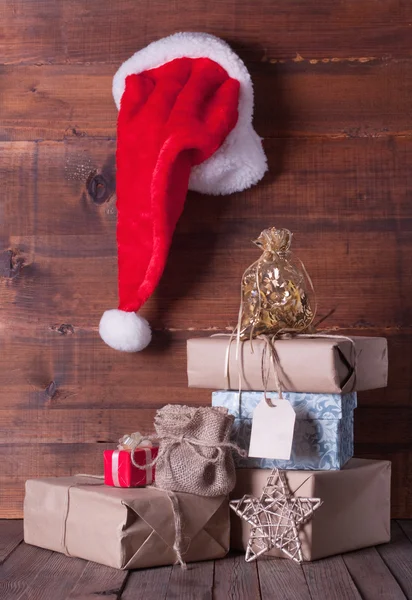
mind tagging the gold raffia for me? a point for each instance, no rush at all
(276, 289)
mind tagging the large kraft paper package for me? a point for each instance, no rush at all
(317, 365)
(119, 527)
(355, 512)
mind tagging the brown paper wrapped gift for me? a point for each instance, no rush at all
(355, 512)
(125, 528)
(318, 365)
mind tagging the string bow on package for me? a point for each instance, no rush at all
(132, 464)
(277, 292)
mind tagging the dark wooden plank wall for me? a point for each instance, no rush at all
(333, 87)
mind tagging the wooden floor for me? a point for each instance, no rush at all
(381, 573)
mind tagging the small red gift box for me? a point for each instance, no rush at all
(119, 471)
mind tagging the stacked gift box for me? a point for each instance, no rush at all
(323, 433)
(124, 528)
(154, 505)
(169, 503)
(322, 376)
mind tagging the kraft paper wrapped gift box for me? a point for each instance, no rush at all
(125, 528)
(355, 512)
(323, 435)
(318, 365)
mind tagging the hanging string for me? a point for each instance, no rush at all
(178, 545)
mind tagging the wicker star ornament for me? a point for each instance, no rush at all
(275, 518)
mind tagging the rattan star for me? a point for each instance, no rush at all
(275, 518)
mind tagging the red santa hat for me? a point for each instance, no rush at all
(185, 122)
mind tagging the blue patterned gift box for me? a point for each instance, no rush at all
(323, 436)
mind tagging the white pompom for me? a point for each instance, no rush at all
(124, 331)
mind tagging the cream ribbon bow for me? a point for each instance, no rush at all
(131, 442)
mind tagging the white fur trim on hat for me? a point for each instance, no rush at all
(240, 162)
(125, 331)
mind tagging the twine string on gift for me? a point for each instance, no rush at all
(169, 441)
(274, 361)
(172, 440)
(132, 442)
(199, 437)
(269, 348)
(331, 336)
(180, 539)
(181, 542)
(270, 357)
(67, 506)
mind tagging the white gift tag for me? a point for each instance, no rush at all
(272, 429)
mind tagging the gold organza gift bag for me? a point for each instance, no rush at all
(277, 292)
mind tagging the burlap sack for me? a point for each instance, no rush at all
(195, 454)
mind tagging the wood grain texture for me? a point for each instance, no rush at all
(406, 527)
(37, 459)
(372, 577)
(22, 567)
(293, 99)
(28, 568)
(11, 534)
(52, 425)
(43, 460)
(198, 576)
(52, 581)
(98, 581)
(329, 578)
(397, 556)
(333, 83)
(282, 580)
(353, 203)
(55, 378)
(234, 578)
(147, 583)
(81, 31)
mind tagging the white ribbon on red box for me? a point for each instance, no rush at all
(115, 464)
(131, 443)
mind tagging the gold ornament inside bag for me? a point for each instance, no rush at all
(277, 292)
